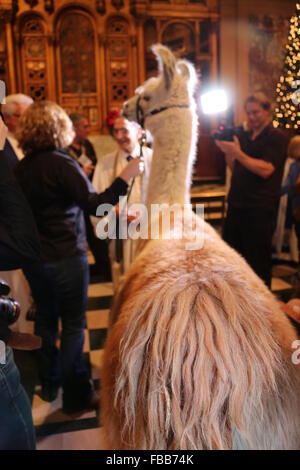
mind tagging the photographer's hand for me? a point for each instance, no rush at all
(231, 149)
(3, 134)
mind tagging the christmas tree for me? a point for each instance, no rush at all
(287, 112)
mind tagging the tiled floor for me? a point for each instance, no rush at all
(54, 429)
(89, 439)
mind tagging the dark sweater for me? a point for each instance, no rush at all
(249, 190)
(19, 243)
(18, 232)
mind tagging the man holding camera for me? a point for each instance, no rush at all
(19, 246)
(257, 160)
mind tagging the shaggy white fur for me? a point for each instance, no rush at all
(199, 356)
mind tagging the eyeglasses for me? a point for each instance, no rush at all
(123, 130)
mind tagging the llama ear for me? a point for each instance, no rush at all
(187, 71)
(167, 63)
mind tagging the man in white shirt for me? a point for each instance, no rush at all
(126, 135)
(14, 107)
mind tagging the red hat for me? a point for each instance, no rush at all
(111, 117)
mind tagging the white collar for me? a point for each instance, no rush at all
(134, 154)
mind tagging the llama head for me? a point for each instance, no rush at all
(173, 88)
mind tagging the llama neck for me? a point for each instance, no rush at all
(173, 153)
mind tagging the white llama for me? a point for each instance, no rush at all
(199, 356)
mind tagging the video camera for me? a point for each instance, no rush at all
(227, 133)
(9, 309)
(9, 312)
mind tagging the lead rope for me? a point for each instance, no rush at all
(141, 156)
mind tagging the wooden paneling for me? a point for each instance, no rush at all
(34, 57)
(76, 51)
(118, 62)
(90, 55)
(210, 163)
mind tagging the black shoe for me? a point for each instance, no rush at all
(91, 404)
(49, 392)
(31, 312)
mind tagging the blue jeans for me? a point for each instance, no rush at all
(60, 289)
(16, 426)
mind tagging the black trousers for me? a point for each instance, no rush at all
(99, 248)
(250, 232)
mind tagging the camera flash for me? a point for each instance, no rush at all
(214, 102)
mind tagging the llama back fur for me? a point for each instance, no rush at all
(200, 355)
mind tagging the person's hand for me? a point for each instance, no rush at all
(231, 149)
(130, 215)
(88, 169)
(134, 168)
(3, 134)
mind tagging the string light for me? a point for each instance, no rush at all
(288, 87)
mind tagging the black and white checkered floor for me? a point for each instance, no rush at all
(54, 429)
(49, 418)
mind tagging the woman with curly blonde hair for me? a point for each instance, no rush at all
(44, 125)
(58, 192)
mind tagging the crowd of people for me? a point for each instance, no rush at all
(59, 193)
(46, 209)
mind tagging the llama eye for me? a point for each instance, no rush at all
(147, 98)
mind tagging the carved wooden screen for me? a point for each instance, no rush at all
(180, 37)
(76, 56)
(77, 51)
(118, 63)
(34, 58)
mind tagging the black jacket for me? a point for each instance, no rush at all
(10, 155)
(18, 232)
(19, 244)
(58, 192)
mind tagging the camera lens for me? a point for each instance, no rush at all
(9, 310)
